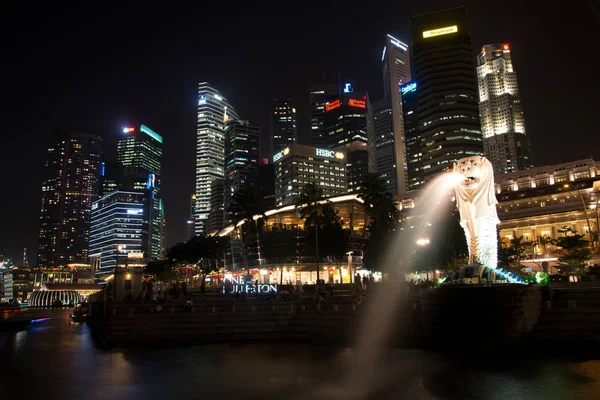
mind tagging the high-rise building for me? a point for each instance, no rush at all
(447, 96)
(283, 125)
(189, 225)
(299, 165)
(346, 131)
(216, 217)
(139, 156)
(390, 149)
(320, 93)
(242, 155)
(71, 183)
(214, 111)
(505, 142)
(412, 134)
(120, 231)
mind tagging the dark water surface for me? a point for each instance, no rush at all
(58, 359)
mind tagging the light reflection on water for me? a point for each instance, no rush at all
(64, 363)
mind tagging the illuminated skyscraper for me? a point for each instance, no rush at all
(283, 125)
(139, 156)
(321, 93)
(390, 148)
(447, 89)
(346, 132)
(413, 135)
(242, 156)
(214, 111)
(502, 123)
(70, 185)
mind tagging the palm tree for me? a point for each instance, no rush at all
(311, 210)
(243, 208)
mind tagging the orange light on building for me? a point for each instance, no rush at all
(357, 103)
(127, 130)
(332, 105)
(505, 47)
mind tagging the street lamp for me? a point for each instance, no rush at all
(423, 242)
(566, 185)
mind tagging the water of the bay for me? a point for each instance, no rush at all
(58, 359)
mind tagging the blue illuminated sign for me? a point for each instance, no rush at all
(151, 133)
(348, 88)
(409, 88)
(151, 181)
(202, 100)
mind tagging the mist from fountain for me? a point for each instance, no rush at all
(364, 378)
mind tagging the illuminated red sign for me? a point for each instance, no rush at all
(332, 105)
(357, 103)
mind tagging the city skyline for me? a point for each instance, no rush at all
(102, 100)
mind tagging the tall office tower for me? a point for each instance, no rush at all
(71, 183)
(120, 231)
(139, 155)
(320, 93)
(447, 96)
(216, 217)
(189, 225)
(346, 131)
(242, 156)
(412, 134)
(283, 125)
(502, 123)
(214, 111)
(391, 141)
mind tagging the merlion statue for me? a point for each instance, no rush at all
(476, 202)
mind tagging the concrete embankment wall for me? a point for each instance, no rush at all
(468, 317)
(336, 322)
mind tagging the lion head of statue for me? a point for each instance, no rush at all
(478, 187)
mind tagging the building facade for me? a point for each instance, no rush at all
(505, 142)
(413, 136)
(346, 132)
(216, 217)
(539, 203)
(320, 93)
(447, 97)
(284, 131)
(396, 72)
(121, 229)
(214, 111)
(189, 224)
(298, 165)
(139, 167)
(71, 183)
(242, 156)
(265, 186)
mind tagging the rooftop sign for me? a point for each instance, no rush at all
(440, 31)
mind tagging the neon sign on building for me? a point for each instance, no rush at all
(357, 103)
(408, 88)
(329, 154)
(332, 105)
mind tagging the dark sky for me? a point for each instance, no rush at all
(94, 69)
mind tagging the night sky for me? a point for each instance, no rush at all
(92, 69)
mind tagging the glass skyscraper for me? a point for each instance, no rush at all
(214, 111)
(139, 157)
(242, 156)
(447, 98)
(283, 125)
(70, 185)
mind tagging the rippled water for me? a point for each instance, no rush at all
(58, 359)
